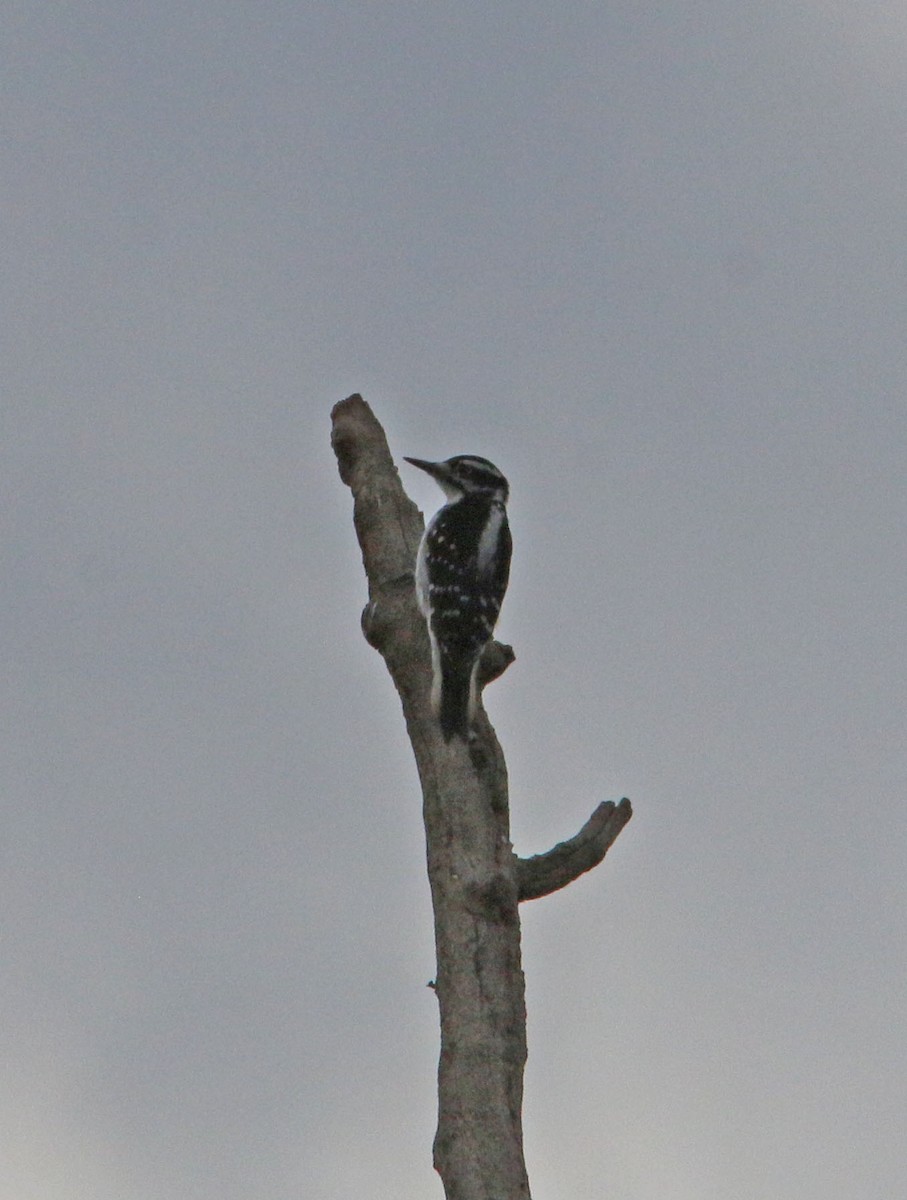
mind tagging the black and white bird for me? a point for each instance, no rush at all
(461, 576)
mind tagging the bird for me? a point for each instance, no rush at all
(462, 568)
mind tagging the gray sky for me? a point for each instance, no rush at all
(652, 261)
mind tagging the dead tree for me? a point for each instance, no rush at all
(477, 882)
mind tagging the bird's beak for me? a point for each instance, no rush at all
(436, 470)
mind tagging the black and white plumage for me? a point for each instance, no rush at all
(461, 576)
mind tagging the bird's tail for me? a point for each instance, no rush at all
(456, 705)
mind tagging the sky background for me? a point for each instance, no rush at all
(652, 261)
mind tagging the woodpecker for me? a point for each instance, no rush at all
(461, 575)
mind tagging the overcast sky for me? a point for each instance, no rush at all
(652, 261)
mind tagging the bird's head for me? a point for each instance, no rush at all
(465, 475)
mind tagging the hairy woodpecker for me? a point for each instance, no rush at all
(461, 576)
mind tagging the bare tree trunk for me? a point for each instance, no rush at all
(476, 879)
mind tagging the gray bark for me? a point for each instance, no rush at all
(476, 879)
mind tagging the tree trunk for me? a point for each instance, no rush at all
(472, 870)
(476, 879)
